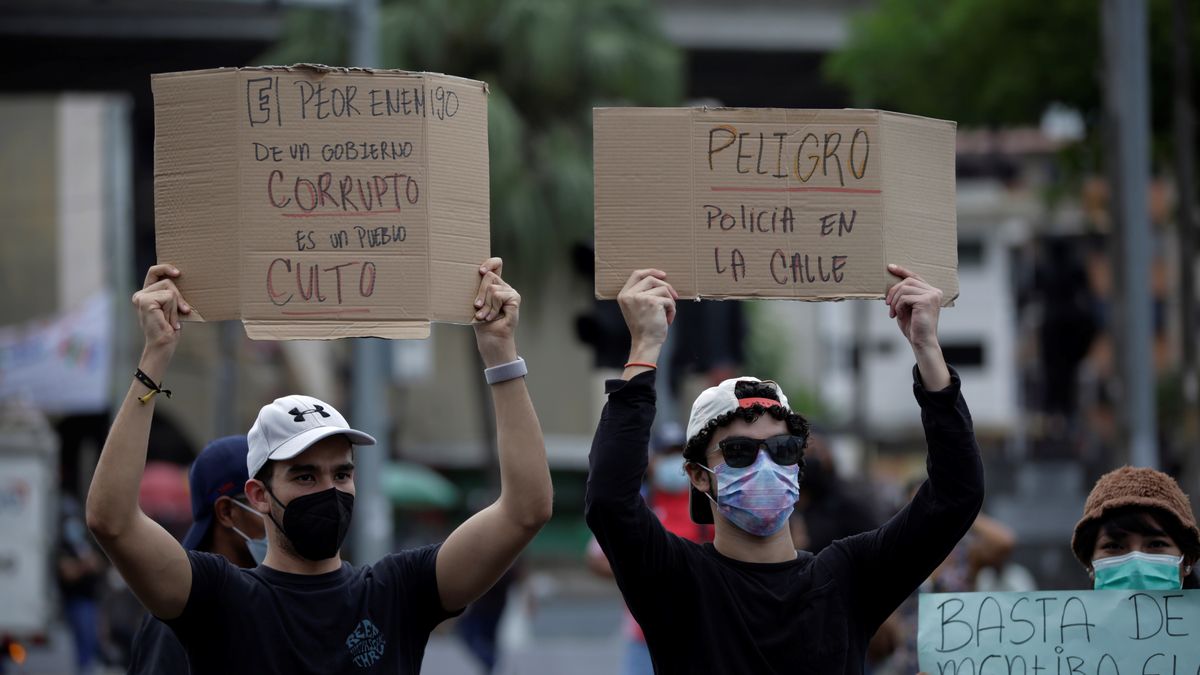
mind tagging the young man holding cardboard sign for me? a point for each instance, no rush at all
(304, 610)
(750, 602)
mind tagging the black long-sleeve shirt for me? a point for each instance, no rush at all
(703, 612)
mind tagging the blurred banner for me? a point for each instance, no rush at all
(62, 364)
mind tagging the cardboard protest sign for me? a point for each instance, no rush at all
(1093, 632)
(774, 203)
(315, 202)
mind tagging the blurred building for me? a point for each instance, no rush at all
(78, 140)
(760, 53)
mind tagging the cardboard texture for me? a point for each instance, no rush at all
(316, 203)
(774, 203)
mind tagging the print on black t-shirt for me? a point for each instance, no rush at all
(366, 644)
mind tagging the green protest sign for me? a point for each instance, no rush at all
(1060, 633)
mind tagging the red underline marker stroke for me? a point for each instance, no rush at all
(855, 191)
(342, 214)
(327, 312)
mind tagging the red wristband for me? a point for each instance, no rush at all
(640, 364)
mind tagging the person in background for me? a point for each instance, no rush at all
(988, 545)
(222, 523)
(80, 568)
(666, 493)
(1138, 532)
(479, 625)
(828, 508)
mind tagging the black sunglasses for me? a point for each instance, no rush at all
(741, 452)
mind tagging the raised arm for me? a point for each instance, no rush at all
(153, 564)
(478, 552)
(892, 561)
(628, 532)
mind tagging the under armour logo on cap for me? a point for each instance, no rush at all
(290, 425)
(298, 414)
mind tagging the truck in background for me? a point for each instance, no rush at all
(28, 528)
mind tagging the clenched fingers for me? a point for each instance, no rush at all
(169, 285)
(492, 265)
(668, 305)
(640, 275)
(902, 272)
(500, 300)
(495, 295)
(645, 285)
(489, 279)
(912, 295)
(157, 272)
(158, 309)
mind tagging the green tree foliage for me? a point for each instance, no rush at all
(983, 62)
(547, 63)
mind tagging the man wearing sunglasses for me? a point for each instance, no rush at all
(750, 602)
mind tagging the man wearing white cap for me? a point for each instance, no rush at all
(750, 602)
(304, 610)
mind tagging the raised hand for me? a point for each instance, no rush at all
(159, 305)
(497, 309)
(915, 305)
(648, 304)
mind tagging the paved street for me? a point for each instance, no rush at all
(575, 628)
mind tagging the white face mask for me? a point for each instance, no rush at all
(257, 547)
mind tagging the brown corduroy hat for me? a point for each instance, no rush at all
(1132, 486)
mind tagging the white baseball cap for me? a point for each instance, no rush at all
(711, 404)
(716, 401)
(292, 424)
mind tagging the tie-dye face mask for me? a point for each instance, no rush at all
(758, 498)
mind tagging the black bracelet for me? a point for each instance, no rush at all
(154, 388)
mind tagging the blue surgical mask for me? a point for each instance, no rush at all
(758, 498)
(257, 547)
(1138, 571)
(669, 475)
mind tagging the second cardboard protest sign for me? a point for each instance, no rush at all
(323, 203)
(1059, 633)
(744, 203)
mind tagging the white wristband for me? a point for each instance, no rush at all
(506, 371)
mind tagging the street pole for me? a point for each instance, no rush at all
(1128, 102)
(229, 334)
(372, 524)
(1185, 176)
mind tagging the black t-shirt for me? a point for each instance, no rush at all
(156, 650)
(367, 619)
(705, 613)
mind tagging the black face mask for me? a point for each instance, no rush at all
(316, 524)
